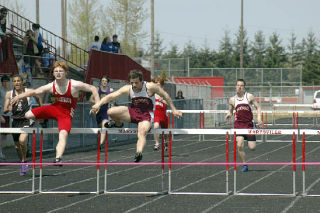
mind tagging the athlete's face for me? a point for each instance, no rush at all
(159, 84)
(240, 87)
(136, 84)
(59, 73)
(104, 82)
(17, 83)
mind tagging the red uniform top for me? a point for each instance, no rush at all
(244, 116)
(66, 102)
(62, 110)
(160, 113)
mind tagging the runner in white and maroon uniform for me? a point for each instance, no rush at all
(141, 109)
(241, 103)
(66, 92)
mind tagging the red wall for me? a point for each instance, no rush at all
(114, 65)
(209, 81)
(8, 64)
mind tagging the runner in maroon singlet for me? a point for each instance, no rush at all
(66, 92)
(241, 103)
(141, 109)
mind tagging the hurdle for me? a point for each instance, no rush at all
(73, 131)
(304, 133)
(106, 191)
(270, 132)
(23, 130)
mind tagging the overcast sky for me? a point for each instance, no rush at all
(179, 21)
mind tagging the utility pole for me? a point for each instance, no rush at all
(37, 12)
(63, 27)
(241, 42)
(152, 39)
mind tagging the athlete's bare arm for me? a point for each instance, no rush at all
(106, 99)
(80, 86)
(254, 102)
(231, 108)
(156, 89)
(32, 92)
(91, 99)
(7, 106)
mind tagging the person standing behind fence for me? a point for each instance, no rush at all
(5, 117)
(102, 116)
(66, 92)
(180, 103)
(19, 121)
(241, 103)
(160, 113)
(107, 45)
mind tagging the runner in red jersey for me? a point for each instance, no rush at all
(241, 103)
(160, 114)
(141, 110)
(66, 92)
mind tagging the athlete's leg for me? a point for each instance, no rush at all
(118, 114)
(156, 125)
(23, 146)
(29, 115)
(252, 145)
(240, 145)
(143, 129)
(103, 135)
(61, 146)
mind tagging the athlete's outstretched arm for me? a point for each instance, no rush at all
(106, 99)
(80, 86)
(32, 92)
(254, 102)
(158, 90)
(231, 108)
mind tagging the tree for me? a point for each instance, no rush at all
(275, 53)
(236, 50)
(126, 18)
(257, 50)
(83, 24)
(224, 57)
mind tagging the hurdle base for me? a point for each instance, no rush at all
(200, 193)
(266, 194)
(67, 192)
(135, 193)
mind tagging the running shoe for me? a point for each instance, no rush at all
(166, 145)
(57, 161)
(156, 147)
(138, 157)
(112, 124)
(23, 170)
(245, 168)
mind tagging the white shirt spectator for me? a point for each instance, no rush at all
(94, 46)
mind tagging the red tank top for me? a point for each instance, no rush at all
(66, 102)
(244, 114)
(160, 105)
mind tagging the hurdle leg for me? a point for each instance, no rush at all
(33, 160)
(169, 172)
(98, 161)
(235, 165)
(105, 166)
(40, 176)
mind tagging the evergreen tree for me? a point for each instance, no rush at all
(224, 56)
(257, 50)
(275, 53)
(236, 50)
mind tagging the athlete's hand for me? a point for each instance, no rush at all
(227, 117)
(177, 113)
(14, 100)
(260, 123)
(95, 109)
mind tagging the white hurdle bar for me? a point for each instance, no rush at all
(304, 133)
(73, 131)
(23, 130)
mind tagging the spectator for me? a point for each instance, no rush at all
(116, 44)
(30, 47)
(5, 117)
(107, 45)
(180, 104)
(38, 36)
(47, 60)
(3, 20)
(25, 71)
(95, 45)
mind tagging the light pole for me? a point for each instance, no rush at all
(241, 42)
(152, 39)
(37, 12)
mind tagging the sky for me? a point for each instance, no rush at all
(206, 21)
